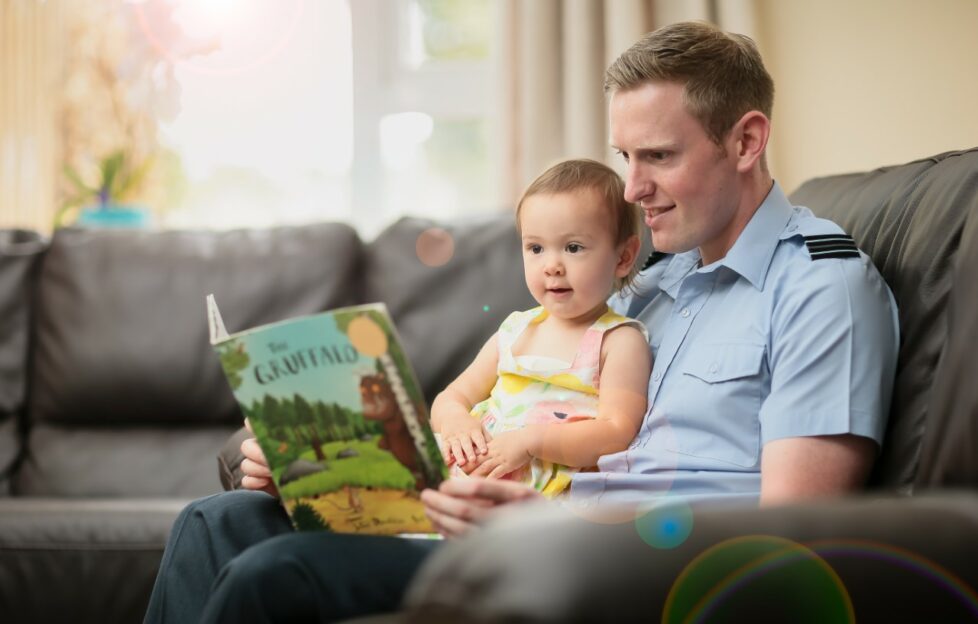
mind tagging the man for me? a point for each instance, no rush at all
(768, 328)
(774, 340)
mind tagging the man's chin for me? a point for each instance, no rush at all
(667, 244)
(662, 244)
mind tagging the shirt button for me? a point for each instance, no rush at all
(684, 312)
(656, 376)
(714, 368)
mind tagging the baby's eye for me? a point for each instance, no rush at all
(534, 249)
(574, 248)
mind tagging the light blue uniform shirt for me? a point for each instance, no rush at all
(766, 343)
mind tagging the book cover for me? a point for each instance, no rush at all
(337, 410)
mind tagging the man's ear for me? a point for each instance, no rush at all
(628, 255)
(750, 136)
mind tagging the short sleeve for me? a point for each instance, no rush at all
(833, 348)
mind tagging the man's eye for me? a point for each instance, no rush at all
(624, 155)
(574, 248)
(658, 156)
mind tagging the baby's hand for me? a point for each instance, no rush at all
(463, 440)
(507, 452)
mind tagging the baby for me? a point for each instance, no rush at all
(570, 361)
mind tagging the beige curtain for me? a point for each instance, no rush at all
(550, 72)
(30, 78)
(76, 85)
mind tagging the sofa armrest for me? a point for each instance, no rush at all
(877, 559)
(229, 460)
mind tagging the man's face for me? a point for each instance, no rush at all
(686, 185)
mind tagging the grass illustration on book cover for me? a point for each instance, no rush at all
(336, 408)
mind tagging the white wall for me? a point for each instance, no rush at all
(865, 83)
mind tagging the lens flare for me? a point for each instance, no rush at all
(790, 580)
(932, 571)
(268, 32)
(665, 526)
(435, 247)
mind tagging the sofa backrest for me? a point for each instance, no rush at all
(19, 254)
(122, 370)
(448, 286)
(950, 449)
(126, 395)
(916, 221)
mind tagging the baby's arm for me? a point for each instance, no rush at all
(624, 385)
(462, 435)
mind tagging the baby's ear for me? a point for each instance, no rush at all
(627, 256)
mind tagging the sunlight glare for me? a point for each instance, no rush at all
(401, 137)
(203, 18)
(277, 136)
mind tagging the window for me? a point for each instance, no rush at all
(359, 111)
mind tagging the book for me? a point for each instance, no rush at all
(335, 406)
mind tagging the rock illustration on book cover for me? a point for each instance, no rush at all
(337, 411)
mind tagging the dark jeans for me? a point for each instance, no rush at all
(234, 557)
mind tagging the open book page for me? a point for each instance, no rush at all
(214, 322)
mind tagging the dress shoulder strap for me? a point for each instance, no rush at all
(589, 353)
(610, 320)
(513, 327)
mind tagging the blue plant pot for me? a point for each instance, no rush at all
(114, 216)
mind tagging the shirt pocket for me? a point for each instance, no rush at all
(723, 384)
(718, 363)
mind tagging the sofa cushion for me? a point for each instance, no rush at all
(121, 332)
(81, 560)
(121, 460)
(19, 253)
(448, 287)
(909, 219)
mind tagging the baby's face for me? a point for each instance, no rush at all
(570, 259)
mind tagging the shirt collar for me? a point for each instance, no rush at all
(751, 254)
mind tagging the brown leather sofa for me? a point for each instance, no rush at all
(113, 405)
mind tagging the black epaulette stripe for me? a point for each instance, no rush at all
(821, 237)
(815, 252)
(821, 246)
(832, 248)
(838, 241)
(654, 257)
(834, 254)
(830, 245)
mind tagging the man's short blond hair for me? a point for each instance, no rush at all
(722, 73)
(582, 174)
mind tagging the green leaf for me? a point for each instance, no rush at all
(133, 180)
(111, 170)
(80, 186)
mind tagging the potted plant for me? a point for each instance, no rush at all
(107, 202)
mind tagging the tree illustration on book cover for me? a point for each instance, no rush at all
(336, 408)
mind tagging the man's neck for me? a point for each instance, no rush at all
(754, 189)
(757, 187)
